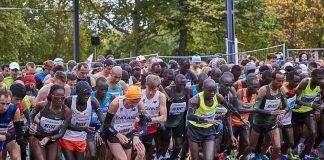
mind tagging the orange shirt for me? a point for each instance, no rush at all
(235, 120)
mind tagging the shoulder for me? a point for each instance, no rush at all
(194, 99)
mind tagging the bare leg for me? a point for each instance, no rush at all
(14, 150)
(254, 137)
(194, 150)
(275, 140)
(118, 151)
(36, 149)
(51, 151)
(209, 150)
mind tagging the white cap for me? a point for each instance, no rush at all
(196, 59)
(288, 64)
(14, 65)
(140, 58)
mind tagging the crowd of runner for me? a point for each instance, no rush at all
(151, 109)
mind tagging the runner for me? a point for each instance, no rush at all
(201, 114)
(154, 107)
(266, 114)
(47, 69)
(71, 81)
(49, 78)
(195, 67)
(14, 69)
(8, 114)
(116, 86)
(197, 88)
(177, 109)
(60, 79)
(119, 125)
(74, 142)
(82, 74)
(94, 141)
(246, 98)
(292, 80)
(70, 67)
(106, 72)
(303, 113)
(214, 74)
(5, 70)
(168, 78)
(184, 68)
(54, 118)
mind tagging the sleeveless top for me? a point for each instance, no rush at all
(117, 91)
(151, 109)
(235, 120)
(205, 111)
(50, 123)
(176, 109)
(269, 103)
(104, 108)
(291, 99)
(124, 119)
(6, 118)
(80, 119)
(307, 95)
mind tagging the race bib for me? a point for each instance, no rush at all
(124, 128)
(308, 99)
(291, 102)
(271, 105)
(220, 112)
(210, 116)
(50, 125)
(177, 108)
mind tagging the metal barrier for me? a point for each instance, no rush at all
(261, 54)
(127, 60)
(314, 53)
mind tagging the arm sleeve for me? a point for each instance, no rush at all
(27, 115)
(61, 132)
(100, 115)
(32, 116)
(18, 129)
(108, 128)
(232, 110)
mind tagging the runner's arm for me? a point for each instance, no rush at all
(63, 128)
(241, 109)
(96, 106)
(142, 121)
(41, 94)
(163, 110)
(39, 106)
(258, 101)
(193, 104)
(229, 107)
(26, 112)
(302, 86)
(108, 128)
(18, 128)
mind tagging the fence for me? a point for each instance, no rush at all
(261, 54)
(127, 60)
(314, 53)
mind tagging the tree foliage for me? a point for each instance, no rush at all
(168, 27)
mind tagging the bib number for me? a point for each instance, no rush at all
(271, 105)
(291, 102)
(124, 128)
(177, 108)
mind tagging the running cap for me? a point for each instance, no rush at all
(140, 58)
(250, 66)
(14, 65)
(58, 60)
(196, 59)
(288, 64)
(133, 92)
(82, 87)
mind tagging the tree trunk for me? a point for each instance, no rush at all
(136, 39)
(182, 28)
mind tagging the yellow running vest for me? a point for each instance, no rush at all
(205, 111)
(307, 95)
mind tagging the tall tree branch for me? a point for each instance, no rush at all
(107, 19)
